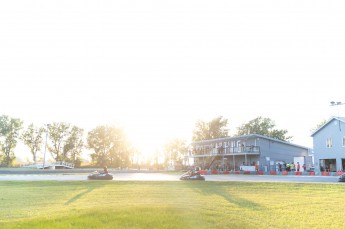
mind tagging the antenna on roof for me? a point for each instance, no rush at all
(337, 104)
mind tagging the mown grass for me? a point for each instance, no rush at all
(128, 204)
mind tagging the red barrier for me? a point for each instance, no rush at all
(237, 172)
(226, 172)
(203, 172)
(285, 173)
(246, 172)
(311, 173)
(259, 172)
(325, 174)
(214, 172)
(273, 173)
(340, 173)
(298, 173)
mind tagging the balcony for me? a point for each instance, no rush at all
(227, 151)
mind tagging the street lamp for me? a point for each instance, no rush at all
(45, 147)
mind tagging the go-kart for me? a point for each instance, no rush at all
(192, 176)
(341, 178)
(100, 176)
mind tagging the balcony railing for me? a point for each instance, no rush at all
(228, 151)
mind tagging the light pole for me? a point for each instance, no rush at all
(45, 147)
(337, 104)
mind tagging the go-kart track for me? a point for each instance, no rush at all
(146, 176)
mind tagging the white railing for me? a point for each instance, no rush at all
(63, 163)
(39, 165)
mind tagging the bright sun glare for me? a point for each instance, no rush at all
(155, 68)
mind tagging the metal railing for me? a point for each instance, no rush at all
(228, 150)
(63, 163)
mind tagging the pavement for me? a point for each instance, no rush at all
(159, 176)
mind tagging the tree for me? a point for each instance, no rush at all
(32, 137)
(216, 128)
(74, 145)
(136, 157)
(65, 141)
(320, 124)
(9, 133)
(109, 146)
(263, 126)
(57, 133)
(175, 150)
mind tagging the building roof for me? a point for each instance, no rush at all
(250, 136)
(341, 119)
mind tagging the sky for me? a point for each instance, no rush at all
(156, 67)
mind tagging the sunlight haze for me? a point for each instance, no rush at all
(156, 67)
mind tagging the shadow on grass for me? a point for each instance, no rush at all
(90, 187)
(226, 193)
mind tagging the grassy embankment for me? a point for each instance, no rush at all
(128, 204)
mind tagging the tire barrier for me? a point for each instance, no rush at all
(214, 171)
(273, 173)
(203, 172)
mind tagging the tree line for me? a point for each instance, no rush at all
(108, 144)
(218, 128)
(65, 142)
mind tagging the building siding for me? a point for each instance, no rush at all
(275, 150)
(335, 130)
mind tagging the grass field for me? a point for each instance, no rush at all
(128, 204)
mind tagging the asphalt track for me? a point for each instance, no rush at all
(172, 177)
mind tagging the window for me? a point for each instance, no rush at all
(329, 142)
(343, 141)
(238, 145)
(232, 144)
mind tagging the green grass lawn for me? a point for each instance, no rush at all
(128, 204)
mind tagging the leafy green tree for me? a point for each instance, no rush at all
(135, 157)
(109, 146)
(175, 150)
(58, 134)
(65, 141)
(263, 126)
(9, 134)
(32, 138)
(154, 161)
(74, 146)
(216, 128)
(320, 124)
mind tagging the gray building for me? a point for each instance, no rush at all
(231, 153)
(329, 145)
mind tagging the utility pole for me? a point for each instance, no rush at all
(45, 147)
